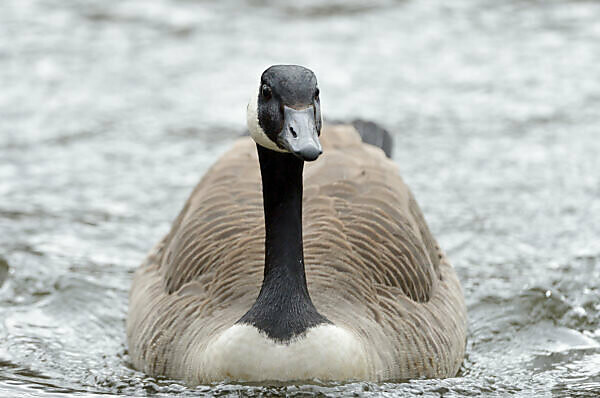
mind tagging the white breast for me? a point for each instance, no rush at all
(243, 353)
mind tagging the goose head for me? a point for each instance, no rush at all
(285, 114)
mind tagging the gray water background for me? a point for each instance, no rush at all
(111, 111)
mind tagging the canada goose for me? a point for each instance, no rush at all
(346, 283)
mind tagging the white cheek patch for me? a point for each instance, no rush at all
(256, 132)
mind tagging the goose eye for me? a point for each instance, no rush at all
(265, 91)
(317, 94)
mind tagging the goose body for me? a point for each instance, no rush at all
(230, 294)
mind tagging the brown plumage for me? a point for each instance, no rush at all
(372, 265)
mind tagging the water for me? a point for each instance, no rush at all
(111, 111)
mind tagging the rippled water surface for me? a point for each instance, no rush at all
(110, 111)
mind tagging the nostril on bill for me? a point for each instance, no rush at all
(293, 132)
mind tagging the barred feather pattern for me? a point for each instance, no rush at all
(372, 266)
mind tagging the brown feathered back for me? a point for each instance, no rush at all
(372, 265)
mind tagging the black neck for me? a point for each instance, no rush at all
(283, 308)
(282, 201)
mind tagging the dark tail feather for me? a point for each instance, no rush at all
(374, 134)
